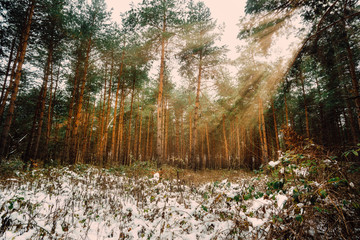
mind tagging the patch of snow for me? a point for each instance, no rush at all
(273, 164)
(281, 200)
(157, 176)
(255, 222)
(303, 172)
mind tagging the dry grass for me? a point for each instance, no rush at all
(191, 177)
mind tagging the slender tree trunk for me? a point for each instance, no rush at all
(81, 98)
(321, 111)
(355, 137)
(151, 140)
(166, 123)
(238, 148)
(352, 69)
(9, 117)
(51, 109)
(203, 159)
(121, 126)
(190, 136)
(147, 140)
(305, 105)
(139, 155)
(225, 143)
(71, 111)
(42, 102)
(102, 121)
(286, 110)
(136, 136)
(275, 130)
(87, 142)
(113, 135)
(207, 144)
(262, 131)
(194, 151)
(159, 138)
(48, 117)
(11, 83)
(7, 70)
(182, 145)
(107, 116)
(128, 158)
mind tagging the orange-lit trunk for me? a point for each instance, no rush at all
(139, 155)
(207, 144)
(128, 158)
(166, 126)
(159, 135)
(225, 143)
(80, 101)
(119, 141)
(275, 130)
(147, 140)
(113, 135)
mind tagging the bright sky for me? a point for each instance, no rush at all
(225, 11)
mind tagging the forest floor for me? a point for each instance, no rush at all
(84, 202)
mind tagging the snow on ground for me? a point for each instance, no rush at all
(96, 204)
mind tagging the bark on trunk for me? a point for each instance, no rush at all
(80, 101)
(15, 89)
(159, 137)
(305, 105)
(7, 70)
(194, 150)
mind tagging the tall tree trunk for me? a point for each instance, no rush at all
(7, 69)
(262, 133)
(121, 126)
(355, 137)
(159, 137)
(102, 121)
(190, 136)
(11, 83)
(194, 150)
(80, 101)
(139, 155)
(108, 109)
(50, 116)
(166, 126)
(128, 158)
(305, 104)
(42, 102)
(148, 140)
(286, 110)
(352, 69)
(225, 142)
(10, 115)
(87, 142)
(275, 130)
(207, 144)
(238, 148)
(35, 134)
(321, 111)
(113, 135)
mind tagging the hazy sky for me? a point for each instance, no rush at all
(225, 11)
